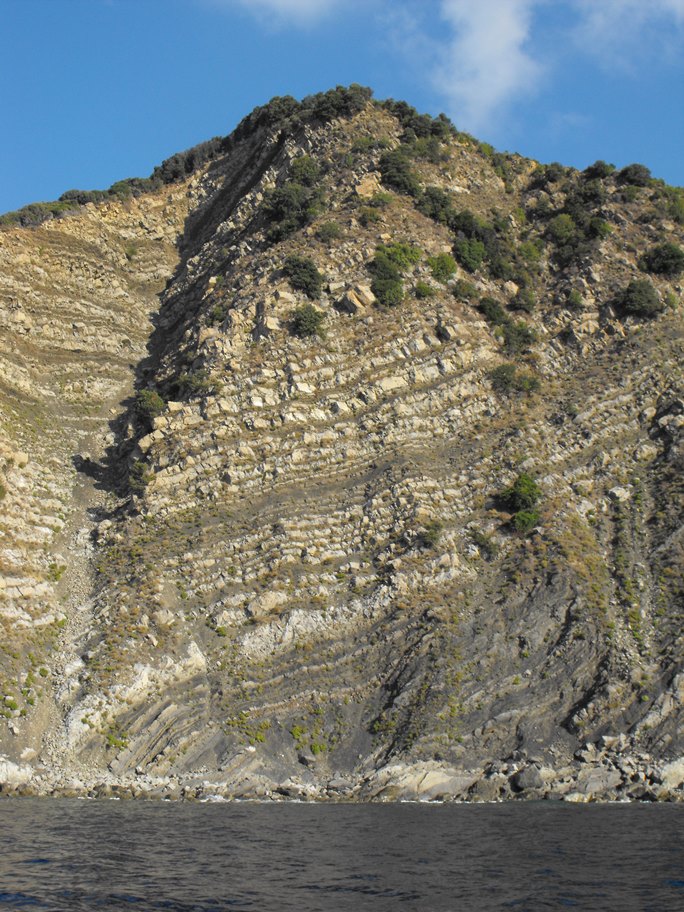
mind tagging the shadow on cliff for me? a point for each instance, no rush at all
(233, 176)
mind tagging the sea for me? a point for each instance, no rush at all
(69, 854)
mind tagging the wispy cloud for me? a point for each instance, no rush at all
(494, 56)
(625, 32)
(297, 12)
(486, 63)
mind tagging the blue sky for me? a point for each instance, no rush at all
(97, 90)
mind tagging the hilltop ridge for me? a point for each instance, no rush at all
(342, 458)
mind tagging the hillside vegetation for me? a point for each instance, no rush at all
(355, 471)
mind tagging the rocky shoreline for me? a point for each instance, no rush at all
(598, 772)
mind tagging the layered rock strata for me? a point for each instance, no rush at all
(297, 577)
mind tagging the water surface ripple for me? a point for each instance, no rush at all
(79, 856)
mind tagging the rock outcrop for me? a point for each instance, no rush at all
(241, 559)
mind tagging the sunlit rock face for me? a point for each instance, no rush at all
(347, 462)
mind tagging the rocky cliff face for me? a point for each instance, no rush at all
(431, 548)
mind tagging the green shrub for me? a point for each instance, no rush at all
(436, 204)
(139, 477)
(415, 124)
(218, 313)
(387, 267)
(369, 216)
(543, 175)
(389, 292)
(423, 291)
(303, 276)
(193, 383)
(382, 266)
(561, 229)
(506, 378)
(493, 311)
(523, 494)
(148, 405)
(342, 101)
(635, 175)
(530, 252)
(598, 228)
(442, 266)
(599, 170)
(368, 144)
(525, 300)
(381, 200)
(470, 253)
(328, 231)
(427, 148)
(291, 207)
(401, 254)
(639, 299)
(485, 543)
(525, 520)
(307, 321)
(396, 172)
(663, 259)
(518, 336)
(574, 299)
(304, 170)
(674, 203)
(464, 290)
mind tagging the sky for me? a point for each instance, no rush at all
(94, 91)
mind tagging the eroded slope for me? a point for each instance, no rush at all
(307, 573)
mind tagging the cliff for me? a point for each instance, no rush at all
(346, 462)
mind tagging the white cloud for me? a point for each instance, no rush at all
(619, 29)
(494, 53)
(486, 63)
(298, 12)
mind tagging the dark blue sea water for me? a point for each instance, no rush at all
(84, 855)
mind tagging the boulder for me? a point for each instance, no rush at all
(14, 774)
(672, 774)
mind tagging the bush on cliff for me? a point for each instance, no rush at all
(663, 259)
(307, 321)
(304, 276)
(639, 299)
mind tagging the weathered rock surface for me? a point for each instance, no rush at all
(296, 579)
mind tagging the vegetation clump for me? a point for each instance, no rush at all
(521, 499)
(464, 290)
(328, 231)
(304, 170)
(307, 321)
(391, 261)
(423, 291)
(517, 335)
(470, 253)
(303, 276)
(576, 230)
(419, 126)
(396, 171)
(290, 207)
(599, 170)
(639, 299)
(635, 175)
(193, 383)
(663, 259)
(507, 378)
(139, 477)
(148, 405)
